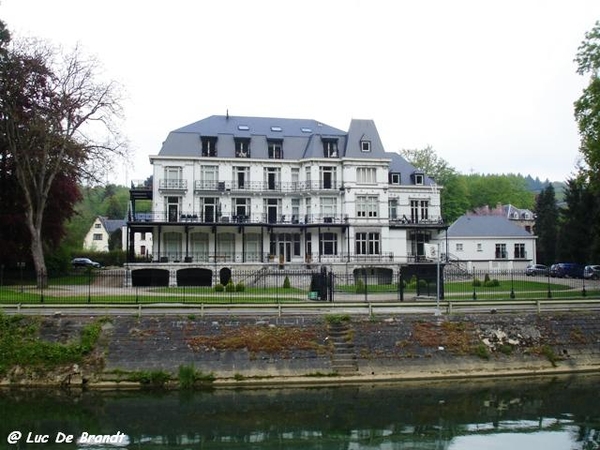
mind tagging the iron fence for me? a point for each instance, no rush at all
(275, 285)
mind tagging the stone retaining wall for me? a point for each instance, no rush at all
(300, 348)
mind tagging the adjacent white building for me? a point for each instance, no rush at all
(233, 190)
(488, 242)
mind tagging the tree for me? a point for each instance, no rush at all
(546, 225)
(587, 107)
(576, 236)
(51, 105)
(453, 195)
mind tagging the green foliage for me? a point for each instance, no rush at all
(186, 377)
(476, 282)
(486, 278)
(546, 226)
(20, 344)
(219, 287)
(240, 287)
(360, 287)
(337, 318)
(286, 283)
(482, 351)
(151, 379)
(491, 283)
(230, 287)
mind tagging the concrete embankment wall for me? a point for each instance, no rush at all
(313, 349)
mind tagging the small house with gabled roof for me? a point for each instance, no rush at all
(488, 242)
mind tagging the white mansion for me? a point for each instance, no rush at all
(231, 190)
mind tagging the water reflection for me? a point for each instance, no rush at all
(518, 413)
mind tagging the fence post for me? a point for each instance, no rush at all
(89, 271)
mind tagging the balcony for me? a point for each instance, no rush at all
(196, 217)
(172, 185)
(265, 186)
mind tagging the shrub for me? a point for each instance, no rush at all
(286, 283)
(186, 377)
(230, 287)
(337, 318)
(476, 282)
(486, 279)
(360, 287)
(219, 287)
(240, 287)
(492, 283)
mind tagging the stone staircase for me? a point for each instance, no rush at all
(343, 359)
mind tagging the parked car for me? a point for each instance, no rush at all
(566, 270)
(85, 262)
(591, 272)
(536, 269)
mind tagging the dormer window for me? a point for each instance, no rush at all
(275, 148)
(242, 148)
(365, 146)
(394, 178)
(209, 146)
(330, 148)
(418, 178)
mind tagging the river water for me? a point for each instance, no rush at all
(519, 413)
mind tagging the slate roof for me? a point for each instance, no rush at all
(485, 226)
(302, 140)
(111, 225)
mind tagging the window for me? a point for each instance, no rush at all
(501, 251)
(308, 208)
(241, 209)
(272, 178)
(97, 236)
(328, 177)
(328, 243)
(97, 225)
(419, 210)
(459, 247)
(479, 248)
(295, 210)
(367, 206)
(365, 146)
(328, 207)
(520, 251)
(209, 177)
(242, 177)
(276, 128)
(308, 177)
(295, 178)
(418, 178)
(424, 204)
(242, 147)
(173, 178)
(368, 243)
(209, 146)
(393, 208)
(366, 175)
(275, 149)
(330, 148)
(395, 178)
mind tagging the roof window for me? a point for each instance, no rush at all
(243, 127)
(275, 128)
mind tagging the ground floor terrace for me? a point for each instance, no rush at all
(283, 244)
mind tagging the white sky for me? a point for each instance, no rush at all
(490, 85)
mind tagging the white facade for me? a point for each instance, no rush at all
(490, 243)
(258, 190)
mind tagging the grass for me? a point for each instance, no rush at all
(21, 346)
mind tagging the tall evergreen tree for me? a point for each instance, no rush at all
(546, 226)
(575, 237)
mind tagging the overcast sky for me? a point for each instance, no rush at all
(490, 85)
